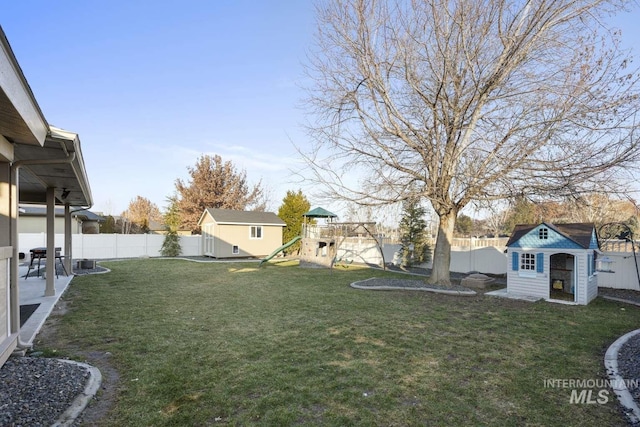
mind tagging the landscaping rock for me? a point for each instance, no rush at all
(476, 281)
(36, 391)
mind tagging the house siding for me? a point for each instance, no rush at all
(8, 341)
(33, 224)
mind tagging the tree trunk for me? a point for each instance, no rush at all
(442, 252)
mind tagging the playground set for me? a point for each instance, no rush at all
(323, 240)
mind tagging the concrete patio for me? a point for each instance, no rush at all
(32, 291)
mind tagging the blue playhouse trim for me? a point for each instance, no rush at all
(594, 241)
(554, 240)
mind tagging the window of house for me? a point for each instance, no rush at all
(543, 233)
(528, 262)
(256, 232)
(235, 249)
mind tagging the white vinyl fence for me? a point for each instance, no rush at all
(488, 259)
(479, 257)
(106, 246)
(470, 255)
(622, 274)
(359, 250)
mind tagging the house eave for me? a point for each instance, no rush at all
(21, 118)
(63, 169)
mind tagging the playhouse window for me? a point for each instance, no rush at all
(235, 249)
(543, 233)
(256, 232)
(528, 262)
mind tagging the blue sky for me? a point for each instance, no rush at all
(152, 85)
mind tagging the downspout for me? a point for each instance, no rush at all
(15, 194)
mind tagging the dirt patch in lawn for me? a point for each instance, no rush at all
(51, 343)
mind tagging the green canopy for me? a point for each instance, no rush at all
(319, 213)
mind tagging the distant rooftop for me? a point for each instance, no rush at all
(37, 210)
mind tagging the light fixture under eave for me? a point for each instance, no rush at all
(65, 194)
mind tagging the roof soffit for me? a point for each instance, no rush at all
(21, 119)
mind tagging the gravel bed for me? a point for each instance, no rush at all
(37, 391)
(629, 367)
(629, 353)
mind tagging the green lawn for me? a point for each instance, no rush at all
(226, 343)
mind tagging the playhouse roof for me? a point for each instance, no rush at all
(580, 232)
(319, 213)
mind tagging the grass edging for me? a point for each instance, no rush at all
(355, 285)
(94, 381)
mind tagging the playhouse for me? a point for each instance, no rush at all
(553, 262)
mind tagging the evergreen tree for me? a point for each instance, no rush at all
(294, 205)
(414, 242)
(171, 244)
(464, 225)
(521, 212)
(108, 226)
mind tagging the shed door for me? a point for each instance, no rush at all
(208, 239)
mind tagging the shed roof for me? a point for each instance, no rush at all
(230, 216)
(579, 232)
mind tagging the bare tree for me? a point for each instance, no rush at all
(216, 184)
(358, 213)
(468, 101)
(600, 209)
